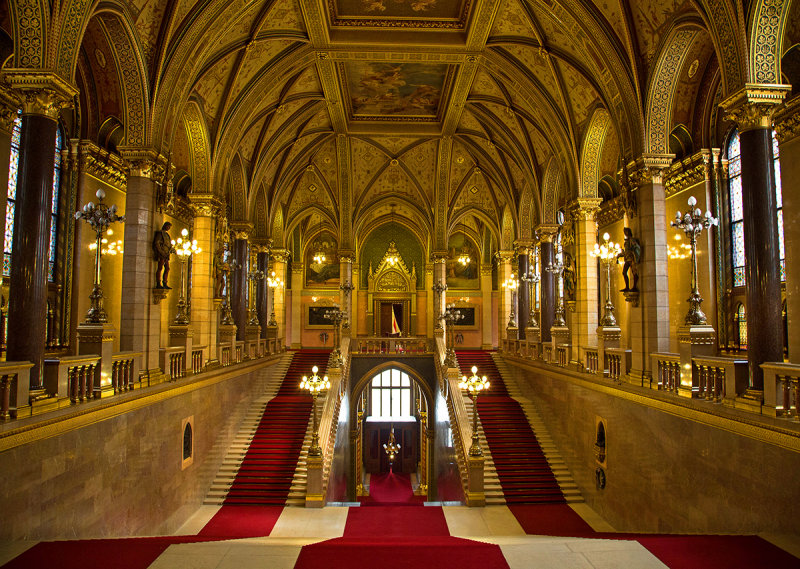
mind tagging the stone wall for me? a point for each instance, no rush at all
(667, 471)
(123, 476)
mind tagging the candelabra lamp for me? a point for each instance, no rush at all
(451, 315)
(336, 315)
(225, 306)
(474, 385)
(347, 287)
(439, 289)
(692, 224)
(253, 277)
(99, 216)
(607, 254)
(391, 448)
(531, 279)
(314, 385)
(557, 268)
(184, 248)
(273, 282)
(511, 283)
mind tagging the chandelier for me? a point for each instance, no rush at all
(464, 258)
(319, 257)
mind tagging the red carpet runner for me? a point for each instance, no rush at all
(390, 489)
(265, 475)
(521, 466)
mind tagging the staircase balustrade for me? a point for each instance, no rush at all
(782, 389)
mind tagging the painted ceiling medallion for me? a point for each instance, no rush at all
(437, 14)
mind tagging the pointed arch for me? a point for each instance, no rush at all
(277, 233)
(508, 236)
(591, 152)
(526, 221)
(238, 190)
(767, 29)
(550, 191)
(197, 134)
(260, 214)
(29, 31)
(663, 86)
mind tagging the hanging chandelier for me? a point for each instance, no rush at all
(319, 257)
(464, 258)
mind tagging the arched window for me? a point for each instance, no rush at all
(390, 394)
(11, 194)
(741, 327)
(737, 210)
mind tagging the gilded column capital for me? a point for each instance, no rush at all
(241, 229)
(347, 256)
(584, 208)
(523, 246)
(504, 256)
(649, 169)
(752, 106)
(102, 164)
(440, 256)
(787, 120)
(207, 205)
(41, 93)
(144, 162)
(280, 255)
(9, 103)
(486, 269)
(546, 232)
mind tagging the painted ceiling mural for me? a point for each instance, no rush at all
(346, 106)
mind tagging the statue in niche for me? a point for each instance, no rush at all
(162, 249)
(569, 278)
(631, 254)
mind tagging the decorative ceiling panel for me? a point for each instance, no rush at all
(384, 91)
(512, 21)
(436, 14)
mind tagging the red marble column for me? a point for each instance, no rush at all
(523, 298)
(239, 285)
(262, 293)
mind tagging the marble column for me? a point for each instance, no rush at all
(262, 290)
(347, 290)
(548, 290)
(487, 342)
(43, 99)
(751, 109)
(439, 301)
(587, 288)
(297, 305)
(207, 207)
(787, 128)
(241, 232)
(140, 318)
(523, 296)
(279, 265)
(650, 318)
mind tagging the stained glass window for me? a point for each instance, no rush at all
(13, 169)
(391, 394)
(741, 326)
(737, 211)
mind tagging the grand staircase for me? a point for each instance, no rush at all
(526, 463)
(262, 467)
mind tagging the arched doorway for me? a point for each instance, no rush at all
(391, 397)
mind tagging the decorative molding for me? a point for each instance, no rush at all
(611, 211)
(103, 165)
(144, 162)
(42, 93)
(787, 120)
(584, 208)
(765, 45)
(547, 232)
(591, 152)
(30, 39)
(688, 172)
(207, 205)
(180, 208)
(752, 107)
(241, 229)
(649, 169)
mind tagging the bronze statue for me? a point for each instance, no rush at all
(162, 249)
(631, 254)
(569, 277)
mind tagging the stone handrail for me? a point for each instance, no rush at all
(781, 380)
(592, 360)
(666, 371)
(617, 362)
(73, 377)
(124, 372)
(386, 345)
(720, 378)
(14, 386)
(173, 361)
(225, 354)
(198, 358)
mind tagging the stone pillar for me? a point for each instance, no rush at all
(262, 290)
(650, 318)
(347, 290)
(548, 289)
(486, 308)
(504, 271)
(439, 300)
(297, 304)
(241, 233)
(523, 297)
(43, 97)
(207, 207)
(587, 288)
(787, 128)
(140, 318)
(752, 108)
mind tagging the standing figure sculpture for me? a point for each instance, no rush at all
(569, 277)
(162, 249)
(631, 254)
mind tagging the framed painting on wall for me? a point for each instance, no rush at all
(322, 261)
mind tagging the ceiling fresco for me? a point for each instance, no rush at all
(400, 13)
(390, 91)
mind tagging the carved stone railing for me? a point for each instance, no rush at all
(617, 362)
(398, 346)
(14, 385)
(781, 389)
(562, 355)
(666, 371)
(720, 378)
(124, 373)
(225, 354)
(73, 377)
(173, 362)
(198, 359)
(592, 361)
(239, 353)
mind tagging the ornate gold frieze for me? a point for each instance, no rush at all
(787, 120)
(753, 106)
(611, 211)
(9, 103)
(546, 232)
(280, 255)
(584, 209)
(207, 205)
(103, 165)
(688, 172)
(241, 229)
(648, 169)
(144, 162)
(180, 208)
(42, 93)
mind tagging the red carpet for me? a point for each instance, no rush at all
(550, 519)
(242, 521)
(442, 552)
(524, 474)
(396, 521)
(265, 475)
(390, 489)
